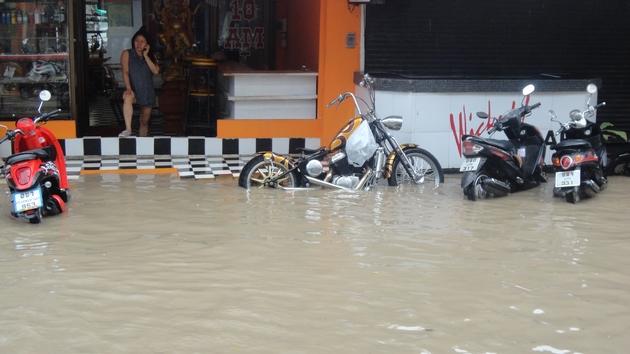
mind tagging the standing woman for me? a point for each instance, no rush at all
(138, 67)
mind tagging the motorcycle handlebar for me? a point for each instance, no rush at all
(44, 117)
(529, 109)
(10, 135)
(600, 105)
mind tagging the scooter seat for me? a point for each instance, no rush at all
(573, 144)
(27, 155)
(501, 144)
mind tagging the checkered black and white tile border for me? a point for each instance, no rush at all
(193, 157)
(192, 166)
(184, 146)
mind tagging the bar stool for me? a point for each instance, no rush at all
(200, 110)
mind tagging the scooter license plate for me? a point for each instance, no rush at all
(27, 200)
(470, 164)
(568, 178)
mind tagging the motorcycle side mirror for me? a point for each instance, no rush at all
(482, 115)
(367, 81)
(528, 90)
(591, 89)
(553, 115)
(45, 95)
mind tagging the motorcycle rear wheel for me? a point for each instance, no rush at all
(572, 196)
(36, 218)
(258, 172)
(421, 161)
(475, 190)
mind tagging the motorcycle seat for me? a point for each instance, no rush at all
(307, 151)
(573, 144)
(27, 155)
(501, 144)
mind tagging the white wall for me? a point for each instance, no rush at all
(427, 116)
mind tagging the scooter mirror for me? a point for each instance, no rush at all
(528, 90)
(482, 115)
(553, 115)
(45, 95)
(591, 88)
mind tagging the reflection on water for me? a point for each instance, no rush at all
(156, 264)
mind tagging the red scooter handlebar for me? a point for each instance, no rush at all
(46, 116)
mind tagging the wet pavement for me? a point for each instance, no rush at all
(159, 264)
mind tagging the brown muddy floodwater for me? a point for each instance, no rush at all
(157, 264)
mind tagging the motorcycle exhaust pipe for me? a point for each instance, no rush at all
(321, 183)
(591, 188)
(496, 187)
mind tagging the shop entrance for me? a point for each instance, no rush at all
(104, 29)
(196, 43)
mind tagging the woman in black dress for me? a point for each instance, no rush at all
(138, 67)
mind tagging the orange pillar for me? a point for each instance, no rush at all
(337, 62)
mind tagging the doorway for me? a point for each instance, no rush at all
(105, 28)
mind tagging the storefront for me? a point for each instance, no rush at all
(35, 55)
(277, 62)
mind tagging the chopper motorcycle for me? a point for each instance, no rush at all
(495, 168)
(580, 159)
(36, 171)
(361, 154)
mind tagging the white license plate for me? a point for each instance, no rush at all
(470, 164)
(568, 178)
(27, 200)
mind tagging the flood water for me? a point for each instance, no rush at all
(158, 264)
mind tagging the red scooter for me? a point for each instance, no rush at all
(36, 172)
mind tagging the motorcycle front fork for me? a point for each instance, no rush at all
(413, 174)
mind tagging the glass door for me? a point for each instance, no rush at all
(33, 57)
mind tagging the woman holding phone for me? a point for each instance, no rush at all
(138, 67)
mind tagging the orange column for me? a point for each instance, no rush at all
(337, 62)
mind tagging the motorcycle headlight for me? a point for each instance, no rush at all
(575, 115)
(392, 122)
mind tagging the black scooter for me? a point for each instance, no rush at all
(618, 149)
(494, 168)
(580, 158)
